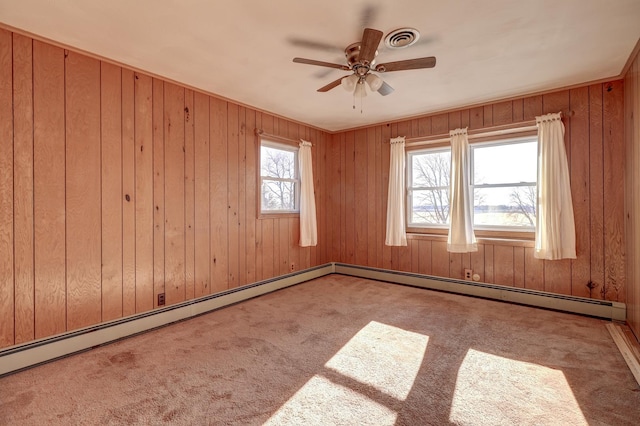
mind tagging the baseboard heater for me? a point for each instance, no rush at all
(541, 299)
(19, 357)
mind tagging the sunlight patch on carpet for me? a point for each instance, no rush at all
(382, 356)
(485, 382)
(321, 402)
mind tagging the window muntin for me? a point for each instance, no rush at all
(503, 179)
(503, 183)
(279, 178)
(428, 187)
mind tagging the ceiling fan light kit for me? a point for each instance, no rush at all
(360, 57)
(360, 91)
(374, 82)
(349, 82)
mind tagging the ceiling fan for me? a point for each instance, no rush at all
(361, 61)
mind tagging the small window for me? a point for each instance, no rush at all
(504, 176)
(279, 178)
(428, 188)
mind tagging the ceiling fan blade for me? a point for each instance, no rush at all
(370, 41)
(368, 15)
(410, 64)
(320, 63)
(322, 73)
(331, 85)
(311, 44)
(385, 89)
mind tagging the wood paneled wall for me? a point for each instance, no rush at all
(116, 186)
(632, 205)
(357, 171)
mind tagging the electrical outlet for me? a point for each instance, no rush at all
(292, 267)
(468, 274)
(160, 299)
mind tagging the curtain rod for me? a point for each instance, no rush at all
(524, 126)
(276, 138)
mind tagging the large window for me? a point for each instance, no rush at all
(279, 178)
(504, 184)
(502, 176)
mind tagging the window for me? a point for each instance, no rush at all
(503, 182)
(428, 188)
(279, 178)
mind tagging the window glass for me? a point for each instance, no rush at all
(502, 183)
(512, 162)
(279, 178)
(428, 189)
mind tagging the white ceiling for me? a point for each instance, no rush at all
(243, 49)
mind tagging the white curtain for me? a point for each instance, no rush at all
(308, 225)
(555, 227)
(461, 236)
(396, 235)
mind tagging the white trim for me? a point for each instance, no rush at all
(626, 348)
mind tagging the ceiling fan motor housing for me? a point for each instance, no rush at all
(352, 52)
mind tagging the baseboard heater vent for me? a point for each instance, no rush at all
(19, 357)
(540, 299)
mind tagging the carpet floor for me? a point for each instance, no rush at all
(342, 350)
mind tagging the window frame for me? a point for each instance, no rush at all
(481, 231)
(473, 186)
(409, 189)
(282, 146)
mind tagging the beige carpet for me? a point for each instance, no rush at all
(342, 350)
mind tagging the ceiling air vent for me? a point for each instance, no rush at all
(402, 37)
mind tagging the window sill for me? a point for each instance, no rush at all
(503, 238)
(278, 215)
